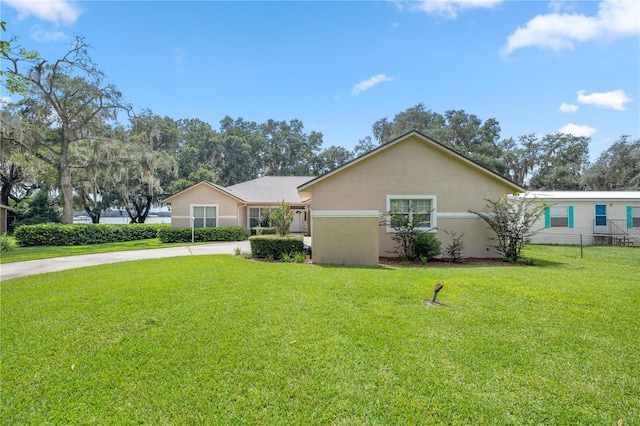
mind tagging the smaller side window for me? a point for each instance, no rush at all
(559, 217)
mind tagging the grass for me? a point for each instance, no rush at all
(21, 254)
(217, 339)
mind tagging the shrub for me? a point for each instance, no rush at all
(183, 235)
(406, 230)
(299, 257)
(82, 234)
(264, 230)
(427, 246)
(512, 220)
(454, 250)
(38, 209)
(5, 244)
(265, 246)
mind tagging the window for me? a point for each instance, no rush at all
(633, 217)
(204, 216)
(559, 217)
(254, 217)
(601, 215)
(416, 209)
(258, 216)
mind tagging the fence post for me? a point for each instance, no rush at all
(580, 246)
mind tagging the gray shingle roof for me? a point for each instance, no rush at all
(270, 189)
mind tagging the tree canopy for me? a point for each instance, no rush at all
(63, 135)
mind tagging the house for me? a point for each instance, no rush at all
(589, 217)
(411, 173)
(205, 204)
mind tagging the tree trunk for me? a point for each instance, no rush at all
(65, 182)
(93, 214)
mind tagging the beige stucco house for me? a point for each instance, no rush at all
(590, 217)
(412, 170)
(205, 204)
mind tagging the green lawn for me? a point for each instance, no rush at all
(20, 254)
(223, 340)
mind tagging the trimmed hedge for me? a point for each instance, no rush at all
(262, 230)
(274, 245)
(183, 235)
(82, 234)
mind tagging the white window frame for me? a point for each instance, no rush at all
(193, 216)
(432, 214)
(635, 217)
(260, 208)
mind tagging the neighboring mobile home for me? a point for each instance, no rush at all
(598, 217)
(208, 205)
(412, 170)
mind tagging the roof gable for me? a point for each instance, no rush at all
(267, 189)
(427, 141)
(221, 189)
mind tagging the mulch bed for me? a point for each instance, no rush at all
(395, 262)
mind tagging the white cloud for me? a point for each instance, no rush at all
(445, 8)
(568, 108)
(559, 5)
(55, 11)
(577, 129)
(614, 99)
(368, 84)
(44, 36)
(557, 31)
(4, 100)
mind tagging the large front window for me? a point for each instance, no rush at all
(258, 216)
(417, 210)
(204, 216)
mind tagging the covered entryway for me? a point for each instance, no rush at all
(300, 223)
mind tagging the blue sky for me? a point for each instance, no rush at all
(537, 67)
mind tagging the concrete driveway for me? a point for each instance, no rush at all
(33, 267)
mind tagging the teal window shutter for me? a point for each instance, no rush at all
(570, 212)
(547, 217)
(629, 217)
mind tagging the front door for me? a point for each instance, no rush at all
(600, 220)
(299, 224)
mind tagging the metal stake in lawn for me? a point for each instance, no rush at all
(435, 293)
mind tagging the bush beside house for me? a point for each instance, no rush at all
(81, 234)
(185, 235)
(273, 246)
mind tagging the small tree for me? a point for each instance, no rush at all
(281, 218)
(265, 218)
(40, 208)
(512, 219)
(406, 227)
(455, 248)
